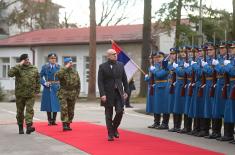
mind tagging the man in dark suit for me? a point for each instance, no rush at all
(112, 80)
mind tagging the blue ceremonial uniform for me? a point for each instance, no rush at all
(219, 102)
(208, 70)
(170, 97)
(50, 102)
(188, 99)
(179, 102)
(160, 75)
(229, 112)
(196, 109)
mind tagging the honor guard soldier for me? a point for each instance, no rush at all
(179, 101)
(188, 98)
(171, 79)
(219, 101)
(50, 102)
(150, 94)
(68, 92)
(196, 107)
(27, 84)
(229, 112)
(160, 72)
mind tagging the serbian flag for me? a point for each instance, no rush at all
(130, 66)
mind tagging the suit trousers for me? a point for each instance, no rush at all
(113, 123)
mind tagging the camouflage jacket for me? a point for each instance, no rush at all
(69, 82)
(27, 80)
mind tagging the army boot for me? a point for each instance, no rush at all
(21, 129)
(68, 124)
(30, 128)
(65, 127)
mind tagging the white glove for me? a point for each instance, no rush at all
(152, 68)
(186, 65)
(226, 62)
(175, 65)
(146, 76)
(47, 84)
(215, 62)
(193, 62)
(204, 63)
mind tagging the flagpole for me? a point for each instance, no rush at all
(141, 70)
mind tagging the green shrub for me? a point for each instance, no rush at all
(1, 93)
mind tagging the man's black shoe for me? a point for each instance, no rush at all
(174, 130)
(225, 139)
(163, 127)
(116, 134)
(129, 106)
(193, 132)
(183, 131)
(155, 125)
(110, 138)
(213, 136)
(202, 134)
(232, 142)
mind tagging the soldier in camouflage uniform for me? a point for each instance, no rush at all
(27, 85)
(68, 92)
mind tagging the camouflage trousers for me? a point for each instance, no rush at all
(21, 104)
(67, 105)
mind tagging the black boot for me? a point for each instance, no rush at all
(54, 118)
(216, 129)
(156, 121)
(21, 129)
(49, 118)
(165, 121)
(196, 127)
(187, 125)
(204, 127)
(30, 128)
(65, 126)
(68, 124)
(176, 120)
(228, 132)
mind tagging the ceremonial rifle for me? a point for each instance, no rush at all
(203, 81)
(192, 83)
(182, 93)
(226, 78)
(173, 78)
(214, 78)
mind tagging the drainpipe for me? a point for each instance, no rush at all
(33, 53)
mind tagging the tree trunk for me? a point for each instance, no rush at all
(92, 53)
(146, 49)
(233, 32)
(178, 19)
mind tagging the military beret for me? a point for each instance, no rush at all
(66, 60)
(52, 54)
(23, 57)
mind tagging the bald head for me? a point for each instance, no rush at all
(111, 54)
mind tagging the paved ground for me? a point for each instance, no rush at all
(13, 143)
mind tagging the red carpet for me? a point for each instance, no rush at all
(92, 139)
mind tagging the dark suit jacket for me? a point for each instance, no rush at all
(109, 78)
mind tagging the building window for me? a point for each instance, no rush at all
(74, 59)
(86, 63)
(4, 67)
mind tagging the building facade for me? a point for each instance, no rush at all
(72, 43)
